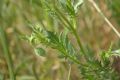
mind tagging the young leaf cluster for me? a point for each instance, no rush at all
(56, 41)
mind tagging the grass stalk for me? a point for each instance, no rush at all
(69, 72)
(34, 71)
(7, 54)
(104, 17)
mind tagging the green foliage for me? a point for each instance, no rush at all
(91, 68)
(3, 39)
(40, 51)
(55, 41)
(57, 29)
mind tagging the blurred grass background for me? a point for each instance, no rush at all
(15, 16)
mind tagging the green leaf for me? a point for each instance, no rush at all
(40, 52)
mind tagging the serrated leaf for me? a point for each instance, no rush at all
(31, 39)
(40, 52)
(52, 37)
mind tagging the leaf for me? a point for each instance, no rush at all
(52, 37)
(40, 52)
(116, 52)
(79, 3)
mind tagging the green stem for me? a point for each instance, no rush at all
(69, 72)
(74, 22)
(34, 71)
(7, 53)
(72, 27)
(78, 41)
(76, 34)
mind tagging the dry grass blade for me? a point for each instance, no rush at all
(105, 18)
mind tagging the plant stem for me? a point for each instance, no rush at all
(34, 72)
(69, 72)
(72, 27)
(105, 18)
(76, 34)
(79, 41)
(7, 53)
